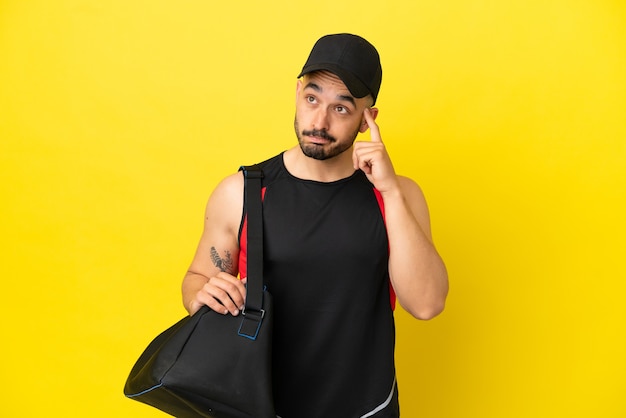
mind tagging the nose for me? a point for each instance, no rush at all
(320, 118)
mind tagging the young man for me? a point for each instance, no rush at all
(344, 236)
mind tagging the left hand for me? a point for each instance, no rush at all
(371, 157)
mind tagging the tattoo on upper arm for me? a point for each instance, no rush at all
(224, 264)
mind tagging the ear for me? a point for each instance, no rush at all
(364, 127)
(298, 88)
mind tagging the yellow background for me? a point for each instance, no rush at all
(117, 119)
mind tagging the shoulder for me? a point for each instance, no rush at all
(229, 190)
(273, 168)
(227, 197)
(411, 190)
(225, 206)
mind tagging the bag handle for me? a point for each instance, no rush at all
(253, 312)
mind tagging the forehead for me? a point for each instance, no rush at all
(326, 81)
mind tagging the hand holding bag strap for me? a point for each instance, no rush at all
(253, 312)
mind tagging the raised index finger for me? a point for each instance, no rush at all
(374, 131)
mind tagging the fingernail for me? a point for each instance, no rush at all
(236, 312)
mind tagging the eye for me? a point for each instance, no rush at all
(310, 99)
(341, 109)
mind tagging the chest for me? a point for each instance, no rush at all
(323, 226)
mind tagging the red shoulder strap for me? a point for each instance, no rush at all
(381, 204)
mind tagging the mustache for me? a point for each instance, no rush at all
(320, 133)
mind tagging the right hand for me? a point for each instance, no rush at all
(223, 293)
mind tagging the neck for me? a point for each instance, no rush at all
(307, 168)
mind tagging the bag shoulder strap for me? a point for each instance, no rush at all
(253, 207)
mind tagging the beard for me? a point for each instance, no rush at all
(322, 152)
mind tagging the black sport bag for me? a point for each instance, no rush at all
(213, 365)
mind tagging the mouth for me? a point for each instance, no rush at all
(318, 140)
(319, 137)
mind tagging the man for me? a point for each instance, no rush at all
(344, 236)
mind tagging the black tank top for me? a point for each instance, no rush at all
(326, 266)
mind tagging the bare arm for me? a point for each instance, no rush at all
(416, 270)
(211, 279)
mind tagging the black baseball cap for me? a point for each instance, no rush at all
(351, 58)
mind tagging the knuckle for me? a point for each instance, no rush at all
(231, 288)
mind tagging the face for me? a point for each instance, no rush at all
(328, 118)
